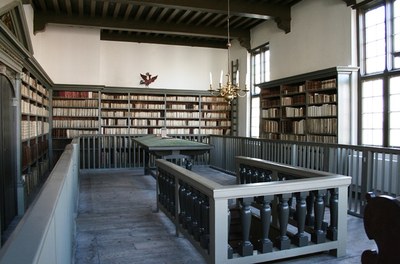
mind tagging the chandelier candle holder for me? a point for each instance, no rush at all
(228, 91)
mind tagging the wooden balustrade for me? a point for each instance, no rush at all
(277, 211)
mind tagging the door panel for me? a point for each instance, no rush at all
(7, 150)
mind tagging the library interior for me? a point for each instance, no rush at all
(234, 131)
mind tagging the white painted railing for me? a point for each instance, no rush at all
(200, 209)
(45, 234)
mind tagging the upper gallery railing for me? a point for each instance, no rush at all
(45, 234)
(281, 216)
(371, 168)
(121, 151)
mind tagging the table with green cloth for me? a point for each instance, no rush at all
(170, 148)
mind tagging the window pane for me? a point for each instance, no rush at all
(255, 116)
(394, 112)
(375, 46)
(372, 112)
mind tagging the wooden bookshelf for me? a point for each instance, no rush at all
(35, 129)
(307, 107)
(134, 112)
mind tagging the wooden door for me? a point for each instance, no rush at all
(8, 187)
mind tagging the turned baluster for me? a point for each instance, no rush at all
(283, 241)
(310, 207)
(230, 249)
(198, 205)
(254, 176)
(189, 212)
(171, 194)
(265, 244)
(245, 246)
(205, 220)
(248, 175)
(194, 223)
(318, 236)
(182, 203)
(188, 199)
(301, 239)
(333, 208)
(242, 174)
(163, 196)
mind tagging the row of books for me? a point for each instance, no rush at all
(297, 99)
(114, 105)
(123, 114)
(67, 123)
(148, 106)
(31, 129)
(293, 127)
(31, 152)
(27, 79)
(318, 98)
(317, 85)
(115, 96)
(76, 94)
(270, 113)
(221, 115)
(271, 126)
(293, 111)
(33, 95)
(215, 107)
(140, 97)
(35, 176)
(31, 109)
(272, 102)
(75, 103)
(114, 122)
(194, 115)
(76, 112)
(182, 98)
(70, 133)
(287, 89)
(323, 110)
(322, 126)
(183, 107)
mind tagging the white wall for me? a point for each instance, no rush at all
(75, 55)
(320, 37)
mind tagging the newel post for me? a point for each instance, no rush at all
(218, 230)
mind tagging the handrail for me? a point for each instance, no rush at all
(45, 233)
(198, 207)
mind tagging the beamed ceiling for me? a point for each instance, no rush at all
(201, 23)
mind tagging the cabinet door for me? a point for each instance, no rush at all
(7, 144)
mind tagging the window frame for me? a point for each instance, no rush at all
(386, 74)
(264, 76)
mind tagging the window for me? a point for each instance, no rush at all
(380, 75)
(259, 63)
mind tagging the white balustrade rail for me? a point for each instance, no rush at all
(200, 209)
(45, 234)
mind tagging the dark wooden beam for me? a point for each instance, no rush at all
(166, 40)
(260, 10)
(41, 19)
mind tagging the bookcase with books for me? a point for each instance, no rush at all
(310, 107)
(34, 132)
(131, 111)
(73, 113)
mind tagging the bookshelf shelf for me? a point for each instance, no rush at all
(308, 107)
(35, 128)
(131, 111)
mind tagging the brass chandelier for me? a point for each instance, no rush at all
(228, 91)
